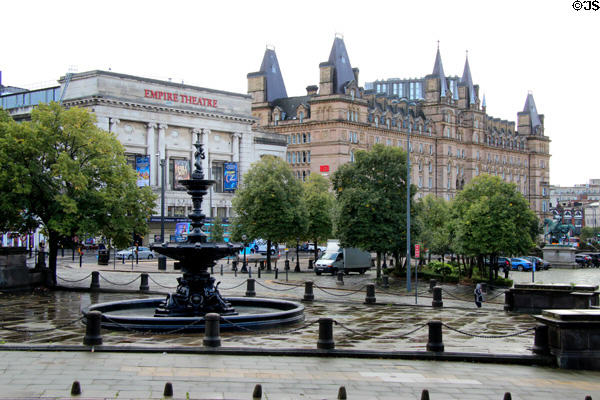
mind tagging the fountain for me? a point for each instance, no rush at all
(197, 294)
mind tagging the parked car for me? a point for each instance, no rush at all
(583, 259)
(129, 253)
(344, 259)
(595, 258)
(503, 263)
(310, 247)
(520, 264)
(540, 264)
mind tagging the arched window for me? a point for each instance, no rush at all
(294, 158)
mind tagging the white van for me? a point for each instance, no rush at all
(344, 259)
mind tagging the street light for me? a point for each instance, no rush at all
(244, 265)
(297, 268)
(408, 208)
(162, 200)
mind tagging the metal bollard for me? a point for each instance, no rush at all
(258, 269)
(144, 287)
(212, 330)
(540, 341)
(235, 272)
(308, 291)
(386, 281)
(257, 392)
(310, 263)
(425, 394)
(287, 271)
(75, 388)
(93, 337)
(342, 393)
(244, 267)
(432, 284)
(325, 340)
(234, 265)
(250, 289)
(287, 264)
(249, 272)
(508, 396)
(435, 342)
(340, 278)
(262, 264)
(162, 263)
(80, 258)
(437, 297)
(95, 280)
(276, 272)
(370, 299)
(221, 269)
(168, 391)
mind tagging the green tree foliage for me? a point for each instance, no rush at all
(435, 224)
(269, 204)
(319, 203)
(371, 193)
(492, 218)
(589, 237)
(62, 172)
(217, 231)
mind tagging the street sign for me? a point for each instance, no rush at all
(417, 250)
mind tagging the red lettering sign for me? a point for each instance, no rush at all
(417, 250)
(324, 168)
(180, 98)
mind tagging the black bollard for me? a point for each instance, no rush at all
(432, 284)
(93, 336)
(287, 271)
(244, 267)
(262, 264)
(212, 330)
(287, 264)
(370, 298)
(325, 341)
(168, 392)
(386, 281)
(588, 398)
(250, 291)
(308, 291)
(276, 272)
(249, 272)
(75, 389)
(257, 392)
(342, 393)
(144, 287)
(234, 265)
(235, 272)
(162, 263)
(221, 269)
(310, 263)
(437, 297)
(258, 269)
(425, 394)
(340, 278)
(540, 341)
(95, 280)
(80, 258)
(435, 342)
(508, 396)
(123, 260)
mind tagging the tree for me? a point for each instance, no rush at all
(319, 207)
(60, 171)
(435, 224)
(492, 218)
(217, 232)
(371, 193)
(269, 204)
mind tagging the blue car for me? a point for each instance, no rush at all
(520, 264)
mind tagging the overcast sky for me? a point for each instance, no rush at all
(545, 47)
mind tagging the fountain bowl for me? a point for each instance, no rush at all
(253, 314)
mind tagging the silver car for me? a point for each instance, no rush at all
(129, 253)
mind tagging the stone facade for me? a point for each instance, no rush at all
(452, 138)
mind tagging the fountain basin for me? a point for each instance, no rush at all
(253, 313)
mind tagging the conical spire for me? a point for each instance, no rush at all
(531, 109)
(483, 102)
(468, 81)
(338, 57)
(438, 70)
(270, 69)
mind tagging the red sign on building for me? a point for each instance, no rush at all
(417, 250)
(324, 168)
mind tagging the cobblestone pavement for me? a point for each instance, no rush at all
(143, 376)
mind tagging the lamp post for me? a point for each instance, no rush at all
(408, 209)
(162, 200)
(297, 267)
(244, 265)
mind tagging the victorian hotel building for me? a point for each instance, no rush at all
(157, 122)
(452, 138)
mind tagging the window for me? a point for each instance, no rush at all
(293, 139)
(351, 155)
(420, 182)
(420, 147)
(303, 175)
(298, 138)
(377, 139)
(308, 156)
(420, 166)
(430, 183)
(301, 116)
(289, 139)
(463, 153)
(217, 176)
(449, 150)
(303, 156)
(294, 157)
(388, 142)
(430, 167)
(308, 137)
(430, 149)
(477, 154)
(289, 157)
(304, 138)
(411, 90)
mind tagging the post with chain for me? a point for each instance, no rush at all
(212, 330)
(250, 288)
(93, 336)
(144, 287)
(95, 284)
(437, 297)
(435, 342)
(308, 291)
(325, 341)
(432, 284)
(370, 298)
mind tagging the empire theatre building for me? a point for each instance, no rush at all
(157, 122)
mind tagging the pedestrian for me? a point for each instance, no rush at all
(478, 295)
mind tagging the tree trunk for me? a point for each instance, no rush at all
(378, 265)
(316, 251)
(269, 254)
(53, 239)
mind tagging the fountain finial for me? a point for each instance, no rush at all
(199, 156)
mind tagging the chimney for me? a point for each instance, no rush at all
(311, 90)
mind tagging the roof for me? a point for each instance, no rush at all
(270, 69)
(531, 109)
(289, 105)
(338, 57)
(467, 80)
(438, 71)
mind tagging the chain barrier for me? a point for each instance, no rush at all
(421, 294)
(340, 295)
(171, 332)
(268, 333)
(162, 286)
(41, 330)
(366, 335)
(488, 336)
(73, 281)
(233, 287)
(121, 284)
(279, 290)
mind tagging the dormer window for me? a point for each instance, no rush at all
(301, 116)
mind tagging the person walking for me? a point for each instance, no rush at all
(478, 295)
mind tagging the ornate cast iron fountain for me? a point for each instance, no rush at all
(196, 293)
